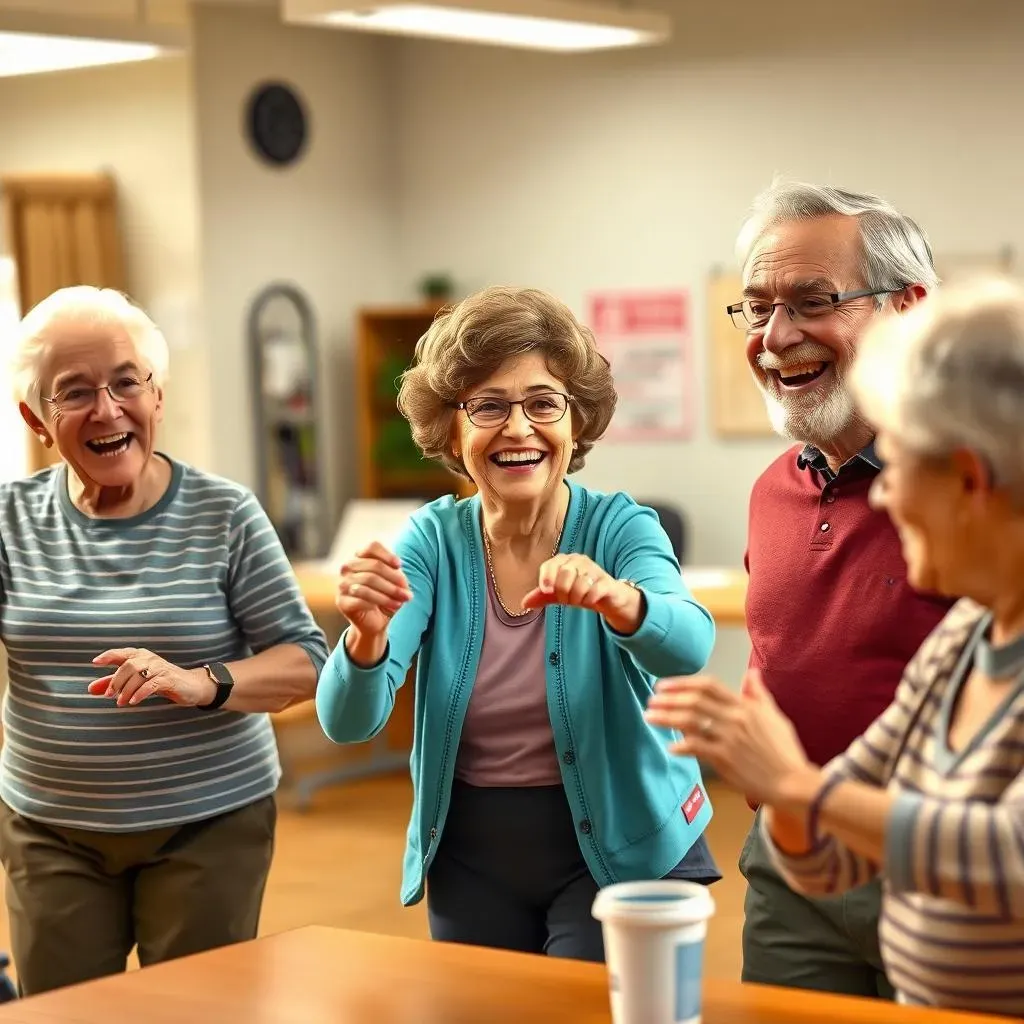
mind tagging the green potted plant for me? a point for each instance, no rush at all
(437, 287)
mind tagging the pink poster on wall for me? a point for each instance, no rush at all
(647, 338)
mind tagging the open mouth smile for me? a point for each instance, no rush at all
(519, 461)
(799, 377)
(111, 444)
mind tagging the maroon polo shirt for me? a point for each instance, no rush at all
(831, 617)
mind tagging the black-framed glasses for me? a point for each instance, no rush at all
(543, 407)
(79, 396)
(753, 314)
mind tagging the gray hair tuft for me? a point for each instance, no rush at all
(949, 373)
(80, 304)
(896, 251)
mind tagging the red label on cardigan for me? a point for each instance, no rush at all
(694, 802)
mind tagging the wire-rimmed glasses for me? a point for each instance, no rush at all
(490, 411)
(80, 396)
(753, 314)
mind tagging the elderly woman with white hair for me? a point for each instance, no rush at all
(151, 619)
(931, 797)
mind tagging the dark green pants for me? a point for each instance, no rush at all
(79, 901)
(829, 945)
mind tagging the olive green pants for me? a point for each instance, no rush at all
(79, 901)
(829, 945)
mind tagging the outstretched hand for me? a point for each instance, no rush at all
(371, 588)
(743, 736)
(579, 582)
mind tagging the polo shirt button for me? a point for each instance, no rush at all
(831, 498)
(585, 827)
(569, 757)
(824, 527)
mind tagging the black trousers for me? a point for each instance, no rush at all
(509, 874)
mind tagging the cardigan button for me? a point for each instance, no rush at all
(585, 827)
(569, 757)
(553, 657)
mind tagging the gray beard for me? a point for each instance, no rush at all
(809, 421)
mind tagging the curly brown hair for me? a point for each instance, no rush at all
(468, 342)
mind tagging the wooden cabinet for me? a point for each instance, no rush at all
(390, 464)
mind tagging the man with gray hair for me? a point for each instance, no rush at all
(831, 617)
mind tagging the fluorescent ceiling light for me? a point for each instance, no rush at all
(33, 43)
(26, 54)
(559, 25)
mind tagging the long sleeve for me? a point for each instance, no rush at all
(830, 867)
(968, 851)
(354, 703)
(263, 593)
(677, 634)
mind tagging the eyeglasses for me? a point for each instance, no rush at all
(80, 397)
(544, 407)
(753, 314)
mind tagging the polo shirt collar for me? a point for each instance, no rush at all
(811, 458)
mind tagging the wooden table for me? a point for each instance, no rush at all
(722, 591)
(327, 976)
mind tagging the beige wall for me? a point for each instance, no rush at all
(325, 224)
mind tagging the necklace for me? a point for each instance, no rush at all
(494, 581)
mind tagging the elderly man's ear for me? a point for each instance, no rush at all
(35, 425)
(909, 297)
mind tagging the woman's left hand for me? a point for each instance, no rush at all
(743, 736)
(140, 674)
(580, 582)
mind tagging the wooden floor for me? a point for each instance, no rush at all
(339, 864)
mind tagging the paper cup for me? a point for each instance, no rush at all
(654, 947)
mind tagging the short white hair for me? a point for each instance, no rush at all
(949, 373)
(40, 328)
(896, 252)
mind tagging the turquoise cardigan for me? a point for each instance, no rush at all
(626, 791)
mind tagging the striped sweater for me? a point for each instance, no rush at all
(199, 577)
(952, 927)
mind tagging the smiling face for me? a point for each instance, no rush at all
(800, 365)
(941, 512)
(519, 460)
(107, 443)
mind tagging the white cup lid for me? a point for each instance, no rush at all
(658, 903)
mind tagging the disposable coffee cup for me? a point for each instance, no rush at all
(654, 947)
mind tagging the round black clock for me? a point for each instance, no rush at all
(276, 123)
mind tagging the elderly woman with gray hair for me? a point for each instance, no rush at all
(931, 796)
(151, 620)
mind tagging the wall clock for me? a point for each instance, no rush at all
(276, 123)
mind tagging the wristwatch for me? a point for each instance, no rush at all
(222, 680)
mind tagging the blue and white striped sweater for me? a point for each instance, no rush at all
(199, 577)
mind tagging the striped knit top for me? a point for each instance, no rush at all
(199, 577)
(952, 926)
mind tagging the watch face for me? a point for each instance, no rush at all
(276, 123)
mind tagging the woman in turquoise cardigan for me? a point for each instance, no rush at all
(541, 614)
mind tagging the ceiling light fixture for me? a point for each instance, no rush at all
(32, 43)
(556, 25)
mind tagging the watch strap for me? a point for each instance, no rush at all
(224, 682)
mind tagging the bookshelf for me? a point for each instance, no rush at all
(390, 464)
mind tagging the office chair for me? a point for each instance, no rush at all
(673, 522)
